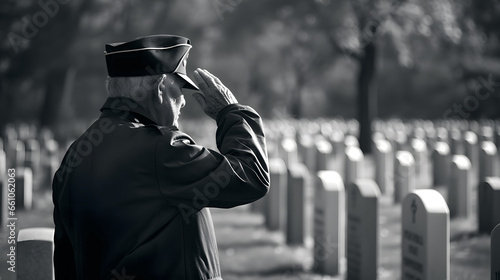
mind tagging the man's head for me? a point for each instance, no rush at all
(151, 70)
(160, 95)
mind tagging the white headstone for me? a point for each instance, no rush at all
(377, 135)
(419, 133)
(430, 135)
(326, 129)
(404, 175)
(44, 135)
(351, 141)
(362, 230)
(401, 141)
(296, 204)
(323, 153)
(51, 162)
(20, 154)
(10, 145)
(489, 204)
(23, 131)
(456, 143)
(460, 187)
(3, 164)
(473, 126)
(337, 140)
(390, 135)
(35, 250)
(352, 127)
(472, 152)
(384, 167)
(495, 253)
(420, 154)
(307, 151)
(272, 144)
(51, 146)
(33, 159)
(425, 236)
(353, 164)
(442, 134)
(486, 134)
(441, 160)
(276, 198)
(329, 221)
(24, 188)
(488, 165)
(32, 154)
(288, 151)
(497, 137)
(3, 189)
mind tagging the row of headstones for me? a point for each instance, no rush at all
(432, 145)
(457, 179)
(398, 174)
(455, 172)
(423, 141)
(397, 132)
(24, 177)
(483, 154)
(28, 162)
(41, 155)
(425, 223)
(455, 137)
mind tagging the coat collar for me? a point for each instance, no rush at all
(126, 108)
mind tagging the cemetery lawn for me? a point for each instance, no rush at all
(248, 251)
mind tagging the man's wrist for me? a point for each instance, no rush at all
(224, 110)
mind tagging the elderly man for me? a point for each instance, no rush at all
(132, 192)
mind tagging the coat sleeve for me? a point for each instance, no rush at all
(192, 177)
(64, 259)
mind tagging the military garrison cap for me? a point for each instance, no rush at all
(150, 55)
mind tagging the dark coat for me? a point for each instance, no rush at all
(130, 196)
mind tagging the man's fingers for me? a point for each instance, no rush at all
(207, 77)
(200, 99)
(214, 95)
(202, 75)
(213, 77)
(199, 79)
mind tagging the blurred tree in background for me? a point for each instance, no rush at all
(36, 62)
(305, 59)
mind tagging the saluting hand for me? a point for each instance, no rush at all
(214, 95)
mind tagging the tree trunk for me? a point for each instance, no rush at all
(296, 108)
(367, 96)
(54, 90)
(6, 99)
(56, 76)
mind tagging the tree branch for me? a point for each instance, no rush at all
(326, 29)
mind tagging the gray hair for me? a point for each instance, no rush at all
(136, 88)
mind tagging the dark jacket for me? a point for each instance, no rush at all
(130, 196)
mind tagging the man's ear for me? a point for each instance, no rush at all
(161, 88)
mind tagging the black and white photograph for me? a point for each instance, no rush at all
(249, 140)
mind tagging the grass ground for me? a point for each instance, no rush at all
(248, 251)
